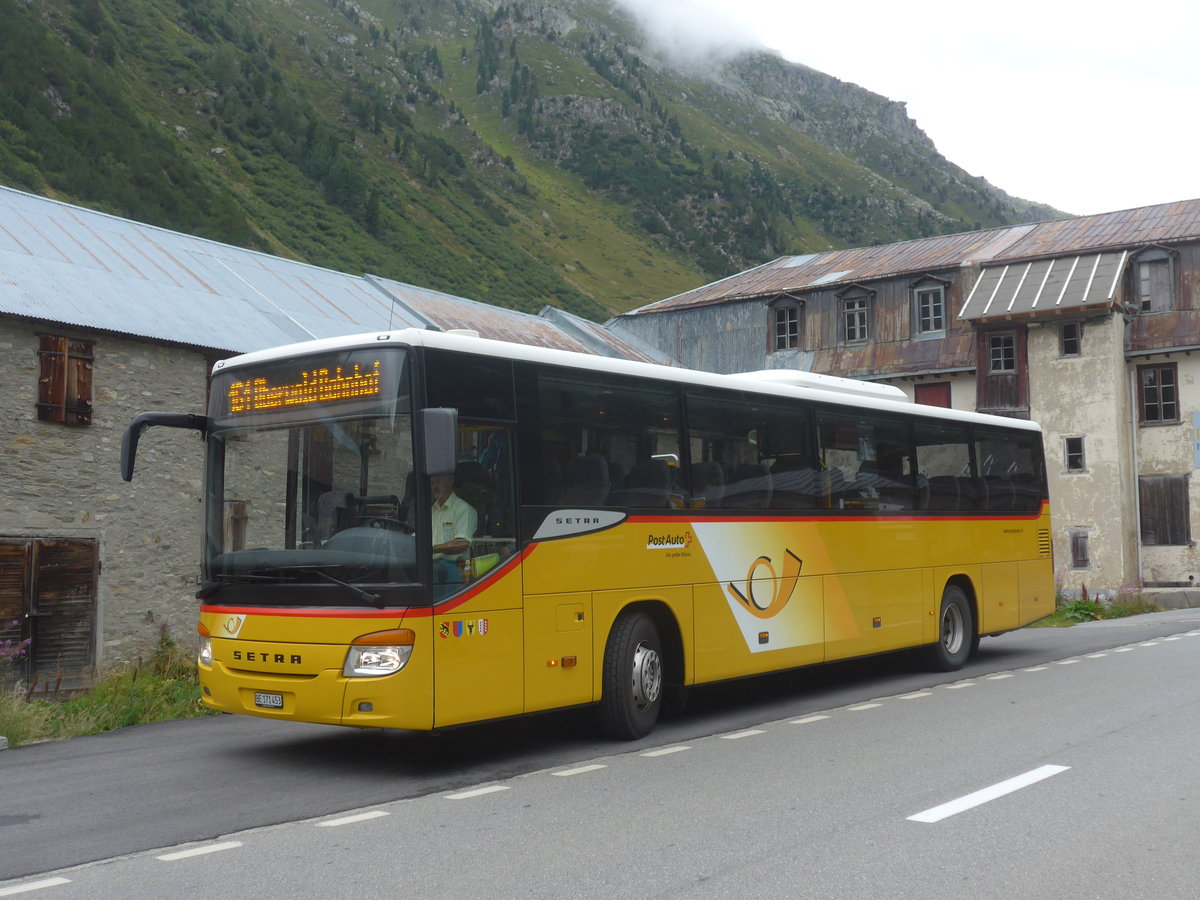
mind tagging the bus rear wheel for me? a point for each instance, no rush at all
(633, 678)
(956, 631)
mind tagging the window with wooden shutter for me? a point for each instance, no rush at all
(64, 380)
(1166, 517)
(50, 587)
(1080, 557)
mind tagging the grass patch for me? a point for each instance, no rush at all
(1073, 610)
(159, 689)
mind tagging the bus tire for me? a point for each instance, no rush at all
(956, 631)
(632, 692)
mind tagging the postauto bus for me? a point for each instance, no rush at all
(417, 529)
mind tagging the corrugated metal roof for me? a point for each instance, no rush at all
(1045, 285)
(75, 266)
(79, 267)
(1164, 223)
(450, 312)
(836, 267)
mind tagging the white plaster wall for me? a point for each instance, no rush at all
(1085, 396)
(1168, 450)
(64, 481)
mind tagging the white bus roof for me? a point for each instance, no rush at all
(772, 382)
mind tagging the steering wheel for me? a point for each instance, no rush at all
(386, 522)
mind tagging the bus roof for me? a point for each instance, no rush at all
(772, 382)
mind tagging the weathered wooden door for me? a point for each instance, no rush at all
(48, 586)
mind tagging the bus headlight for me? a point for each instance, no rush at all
(380, 653)
(205, 657)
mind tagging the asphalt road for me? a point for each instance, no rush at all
(178, 783)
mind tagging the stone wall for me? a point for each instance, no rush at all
(63, 481)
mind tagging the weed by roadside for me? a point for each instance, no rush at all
(1073, 610)
(158, 689)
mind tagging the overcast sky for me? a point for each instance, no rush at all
(1087, 106)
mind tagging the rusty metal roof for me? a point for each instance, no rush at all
(449, 312)
(1164, 223)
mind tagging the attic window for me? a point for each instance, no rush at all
(786, 324)
(64, 380)
(1154, 282)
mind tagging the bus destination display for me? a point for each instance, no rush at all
(316, 385)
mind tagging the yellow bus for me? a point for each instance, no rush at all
(417, 530)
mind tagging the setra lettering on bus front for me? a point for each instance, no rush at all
(263, 656)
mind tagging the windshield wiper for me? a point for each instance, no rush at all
(272, 573)
(365, 596)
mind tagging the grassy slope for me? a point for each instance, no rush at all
(201, 116)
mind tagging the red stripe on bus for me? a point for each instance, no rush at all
(407, 612)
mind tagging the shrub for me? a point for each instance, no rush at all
(161, 688)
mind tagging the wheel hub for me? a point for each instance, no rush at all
(953, 629)
(647, 676)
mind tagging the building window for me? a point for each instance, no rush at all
(1079, 548)
(1073, 450)
(1166, 517)
(1154, 284)
(1071, 339)
(787, 327)
(64, 380)
(1002, 353)
(1158, 393)
(931, 309)
(854, 319)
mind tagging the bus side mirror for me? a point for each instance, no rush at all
(440, 428)
(142, 421)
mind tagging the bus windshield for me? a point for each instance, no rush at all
(310, 476)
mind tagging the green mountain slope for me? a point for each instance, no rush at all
(517, 153)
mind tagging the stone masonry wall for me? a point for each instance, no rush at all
(62, 481)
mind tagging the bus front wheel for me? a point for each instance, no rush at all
(633, 678)
(956, 631)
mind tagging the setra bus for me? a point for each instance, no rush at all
(416, 529)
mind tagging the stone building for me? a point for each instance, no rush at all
(102, 318)
(1088, 325)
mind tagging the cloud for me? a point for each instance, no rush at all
(691, 33)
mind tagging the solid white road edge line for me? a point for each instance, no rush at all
(970, 801)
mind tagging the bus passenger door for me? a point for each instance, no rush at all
(477, 630)
(558, 650)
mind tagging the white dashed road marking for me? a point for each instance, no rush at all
(350, 820)
(970, 801)
(199, 851)
(478, 792)
(15, 889)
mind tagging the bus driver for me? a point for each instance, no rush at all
(454, 521)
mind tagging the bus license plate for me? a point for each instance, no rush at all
(268, 701)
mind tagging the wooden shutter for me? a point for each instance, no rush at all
(64, 380)
(1166, 517)
(14, 594)
(937, 394)
(64, 609)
